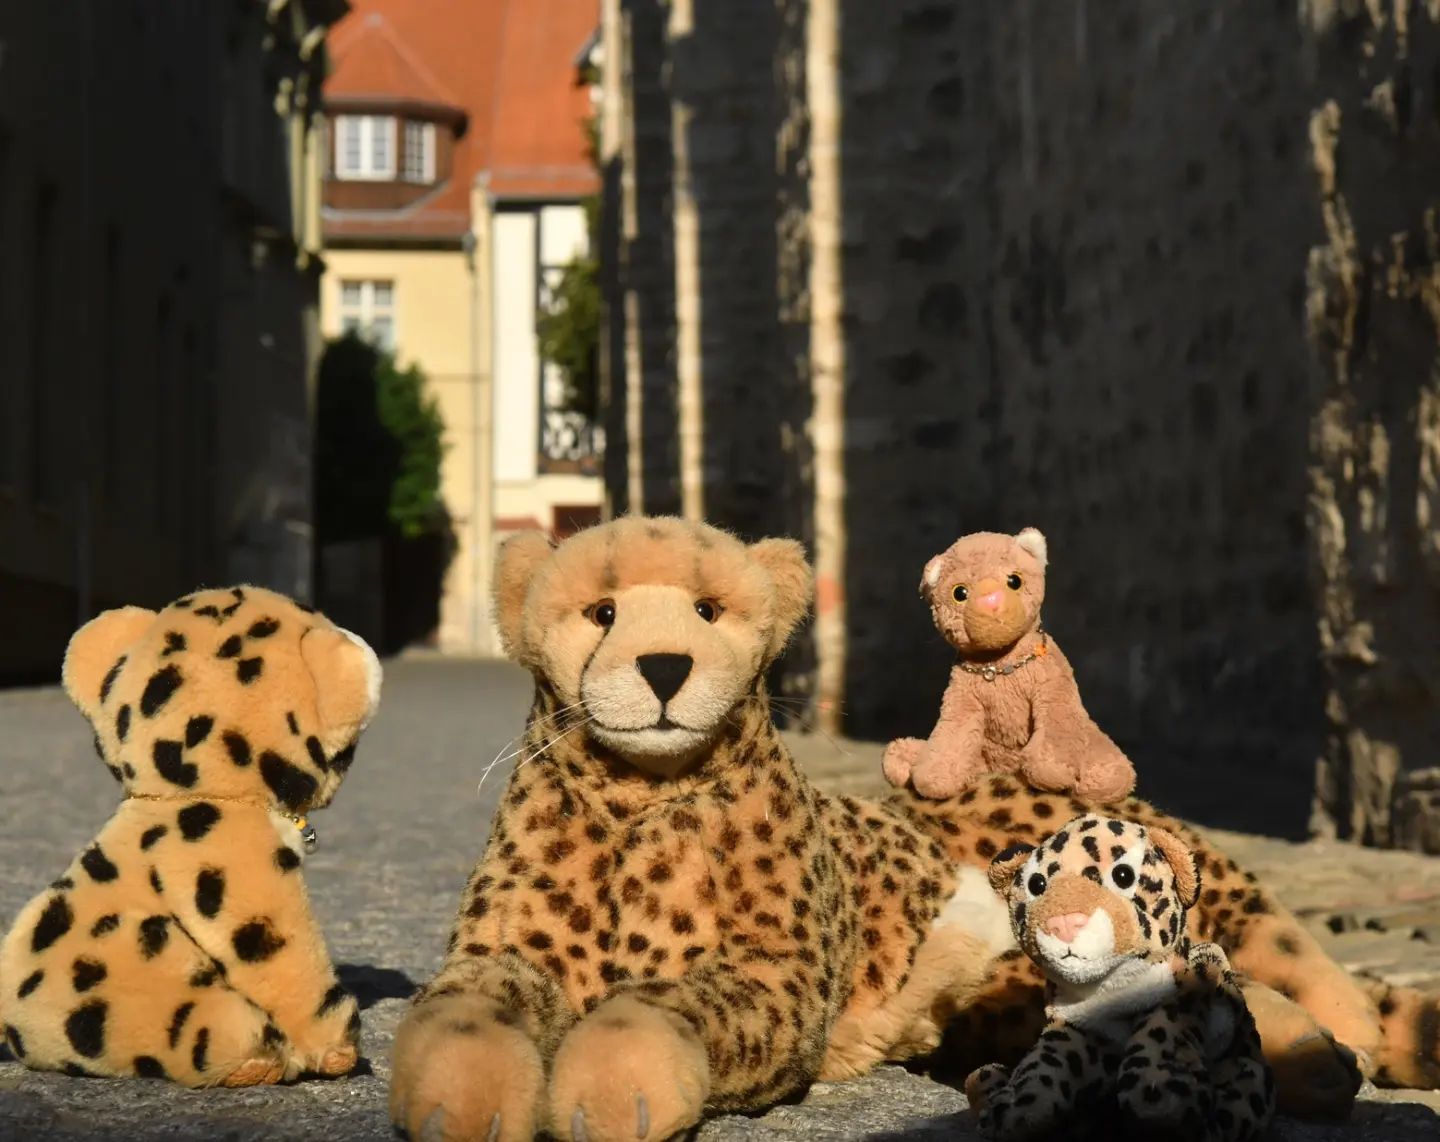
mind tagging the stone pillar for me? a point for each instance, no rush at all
(1373, 305)
(645, 290)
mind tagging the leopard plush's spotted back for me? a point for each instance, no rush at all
(179, 943)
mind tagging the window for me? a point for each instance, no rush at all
(365, 147)
(419, 152)
(367, 308)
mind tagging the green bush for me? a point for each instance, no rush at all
(379, 444)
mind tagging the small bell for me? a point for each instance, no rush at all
(307, 833)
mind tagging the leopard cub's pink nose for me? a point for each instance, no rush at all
(990, 602)
(1067, 926)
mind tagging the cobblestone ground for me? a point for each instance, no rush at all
(395, 850)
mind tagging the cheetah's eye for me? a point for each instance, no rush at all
(1036, 884)
(602, 614)
(1013, 581)
(1123, 875)
(708, 609)
(960, 593)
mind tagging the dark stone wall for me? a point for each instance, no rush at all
(1374, 308)
(1075, 246)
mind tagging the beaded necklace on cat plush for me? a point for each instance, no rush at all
(990, 672)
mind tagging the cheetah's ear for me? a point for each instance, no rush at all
(794, 584)
(520, 557)
(1182, 863)
(95, 650)
(1006, 864)
(347, 680)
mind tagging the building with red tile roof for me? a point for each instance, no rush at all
(459, 159)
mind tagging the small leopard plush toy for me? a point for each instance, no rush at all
(1146, 1032)
(1012, 705)
(180, 943)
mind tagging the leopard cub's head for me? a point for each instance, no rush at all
(650, 634)
(238, 693)
(1097, 894)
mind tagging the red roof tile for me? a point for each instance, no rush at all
(510, 65)
(538, 144)
(372, 64)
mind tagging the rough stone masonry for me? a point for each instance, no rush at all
(1158, 279)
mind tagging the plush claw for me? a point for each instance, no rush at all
(494, 1134)
(577, 1127)
(642, 1117)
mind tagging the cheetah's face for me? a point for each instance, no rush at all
(651, 632)
(235, 693)
(985, 592)
(1096, 894)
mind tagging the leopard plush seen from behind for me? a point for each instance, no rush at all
(180, 943)
(669, 918)
(1147, 1034)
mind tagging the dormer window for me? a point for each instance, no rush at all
(365, 148)
(418, 162)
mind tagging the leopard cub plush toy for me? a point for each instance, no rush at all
(1147, 1034)
(1012, 705)
(180, 943)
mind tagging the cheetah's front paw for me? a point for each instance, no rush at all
(464, 1071)
(628, 1071)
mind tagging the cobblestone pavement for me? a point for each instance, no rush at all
(395, 850)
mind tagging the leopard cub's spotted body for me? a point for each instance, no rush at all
(1141, 1023)
(180, 943)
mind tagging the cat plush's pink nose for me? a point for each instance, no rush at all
(990, 602)
(1067, 926)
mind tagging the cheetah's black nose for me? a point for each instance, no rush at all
(665, 673)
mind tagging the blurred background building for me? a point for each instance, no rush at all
(457, 166)
(1160, 280)
(159, 287)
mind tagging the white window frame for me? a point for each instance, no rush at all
(368, 129)
(424, 135)
(360, 315)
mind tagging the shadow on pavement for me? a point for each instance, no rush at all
(369, 985)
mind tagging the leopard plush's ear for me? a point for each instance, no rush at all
(1002, 868)
(794, 582)
(1182, 863)
(520, 557)
(347, 678)
(96, 649)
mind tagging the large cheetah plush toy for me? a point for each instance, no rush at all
(1012, 705)
(180, 943)
(1147, 1034)
(669, 919)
